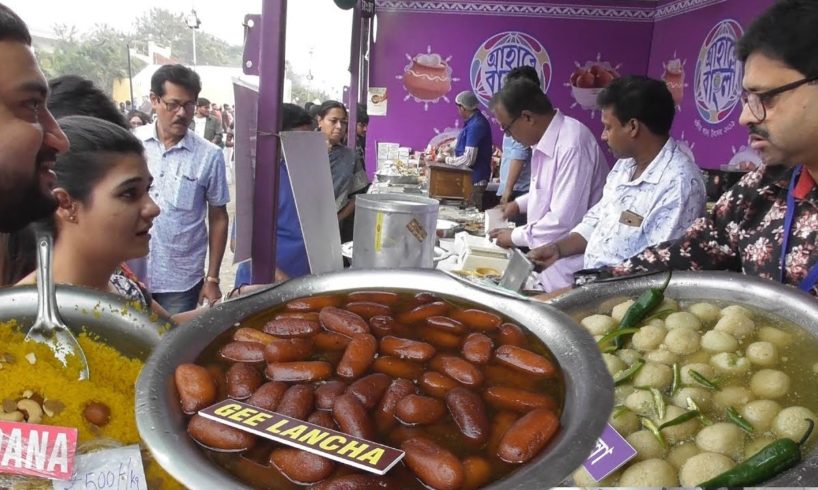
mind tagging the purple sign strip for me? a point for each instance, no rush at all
(611, 452)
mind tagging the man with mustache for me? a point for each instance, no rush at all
(190, 184)
(30, 138)
(767, 224)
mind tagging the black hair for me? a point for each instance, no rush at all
(786, 32)
(12, 27)
(177, 75)
(313, 110)
(638, 97)
(201, 102)
(307, 105)
(522, 95)
(523, 72)
(72, 95)
(328, 106)
(89, 158)
(361, 115)
(293, 116)
(146, 119)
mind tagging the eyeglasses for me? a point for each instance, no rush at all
(174, 106)
(507, 129)
(758, 102)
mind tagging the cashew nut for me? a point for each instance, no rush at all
(33, 410)
(15, 416)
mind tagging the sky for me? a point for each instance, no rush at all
(316, 25)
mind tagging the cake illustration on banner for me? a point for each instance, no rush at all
(589, 79)
(674, 77)
(427, 77)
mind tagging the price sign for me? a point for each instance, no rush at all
(112, 469)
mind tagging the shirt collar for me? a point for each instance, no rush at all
(186, 142)
(548, 142)
(656, 168)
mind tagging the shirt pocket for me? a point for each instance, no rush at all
(184, 192)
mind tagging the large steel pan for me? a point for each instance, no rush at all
(589, 388)
(771, 297)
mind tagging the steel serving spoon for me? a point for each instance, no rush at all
(48, 328)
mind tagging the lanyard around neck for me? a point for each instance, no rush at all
(812, 278)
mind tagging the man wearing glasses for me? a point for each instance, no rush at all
(189, 185)
(767, 224)
(568, 172)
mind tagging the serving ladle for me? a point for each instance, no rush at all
(48, 328)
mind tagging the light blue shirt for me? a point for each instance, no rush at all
(668, 196)
(187, 178)
(513, 150)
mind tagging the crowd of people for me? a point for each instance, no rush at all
(648, 214)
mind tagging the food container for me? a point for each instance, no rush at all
(447, 228)
(397, 179)
(588, 387)
(771, 297)
(130, 331)
(394, 231)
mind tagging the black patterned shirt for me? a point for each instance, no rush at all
(744, 232)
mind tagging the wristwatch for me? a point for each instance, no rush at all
(214, 280)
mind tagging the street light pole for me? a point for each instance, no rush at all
(194, 48)
(130, 74)
(192, 21)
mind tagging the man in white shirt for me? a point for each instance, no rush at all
(654, 192)
(205, 124)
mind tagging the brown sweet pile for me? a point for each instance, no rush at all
(468, 397)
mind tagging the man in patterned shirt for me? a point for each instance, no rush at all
(654, 192)
(189, 185)
(767, 224)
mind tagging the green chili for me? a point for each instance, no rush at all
(691, 405)
(736, 418)
(649, 425)
(658, 402)
(661, 314)
(697, 377)
(643, 305)
(626, 374)
(677, 379)
(616, 333)
(777, 456)
(680, 419)
(618, 411)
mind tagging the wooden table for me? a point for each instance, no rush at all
(447, 182)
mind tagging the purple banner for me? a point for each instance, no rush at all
(425, 53)
(693, 50)
(424, 59)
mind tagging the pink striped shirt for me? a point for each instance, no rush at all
(568, 172)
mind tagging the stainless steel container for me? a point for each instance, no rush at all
(119, 324)
(394, 231)
(588, 386)
(768, 296)
(397, 179)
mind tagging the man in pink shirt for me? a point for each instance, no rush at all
(568, 173)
